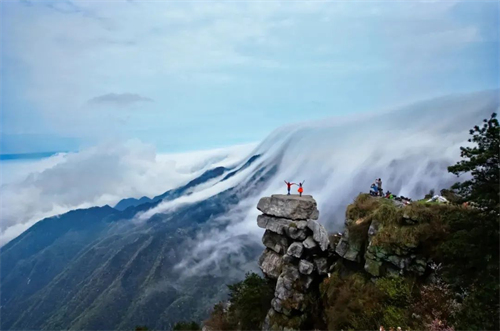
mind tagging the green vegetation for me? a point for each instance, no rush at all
(461, 240)
(249, 302)
(187, 326)
(481, 161)
(457, 285)
(357, 303)
(471, 252)
(141, 328)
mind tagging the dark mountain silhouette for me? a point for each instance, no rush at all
(99, 268)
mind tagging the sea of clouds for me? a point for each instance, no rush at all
(409, 148)
(104, 174)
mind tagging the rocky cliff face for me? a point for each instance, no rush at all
(382, 238)
(297, 255)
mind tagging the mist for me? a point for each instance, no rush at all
(409, 148)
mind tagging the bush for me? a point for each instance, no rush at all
(249, 302)
(141, 328)
(188, 326)
(351, 303)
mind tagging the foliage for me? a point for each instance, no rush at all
(438, 325)
(362, 206)
(396, 290)
(249, 302)
(188, 326)
(355, 302)
(481, 161)
(470, 253)
(141, 328)
(351, 302)
(218, 319)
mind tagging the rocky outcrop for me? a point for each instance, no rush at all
(289, 206)
(350, 247)
(296, 256)
(388, 257)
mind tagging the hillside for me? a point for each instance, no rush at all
(394, 265)
(158, 260)
(431, 264)
(99, 269)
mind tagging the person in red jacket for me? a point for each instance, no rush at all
(289, 185)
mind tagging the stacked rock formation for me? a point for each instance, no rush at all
(295, 256)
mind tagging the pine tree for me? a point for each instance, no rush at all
(481, 161)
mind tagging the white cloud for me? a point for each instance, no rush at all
(118, 100)
(96, 176)
(73, 51)
(409, 148)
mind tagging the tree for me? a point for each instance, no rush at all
(188, 326)
(250, 301)
(471, 249)
(481, 161)
(141, 328)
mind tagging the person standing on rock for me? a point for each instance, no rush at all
(289, 185)
(379, 186)
(300, 190)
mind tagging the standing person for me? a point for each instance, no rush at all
(289, 185)
(379, 185)
(300, 190)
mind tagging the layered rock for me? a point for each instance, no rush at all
(296, 256)
(382, 259)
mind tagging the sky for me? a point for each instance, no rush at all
(194, 75)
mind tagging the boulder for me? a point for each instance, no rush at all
(274, 241)
(274, 224)
(295, 249)
(306, 282)
(373, 267)
(373, 229)
(286, 280)
(296, 233)
(321, 264)
(342, 247)
(319, 234)
(349, 248)
(306, 267)
(277, 305)
(309, 243)
(289, 206)
(271, 263)
(418, 266)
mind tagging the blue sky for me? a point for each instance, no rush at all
(203, 74)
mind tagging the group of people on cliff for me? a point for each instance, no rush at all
(376, 188)
(300, 189)
(377, 191)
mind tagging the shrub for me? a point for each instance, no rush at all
(351, 303)
(218, 319)
(188, 326)
(362, 206)
(249, 302)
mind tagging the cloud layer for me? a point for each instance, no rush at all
(118, 100)
(96, 176)
(409, 148)
(211, 66)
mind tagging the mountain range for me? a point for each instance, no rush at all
(156, 261)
